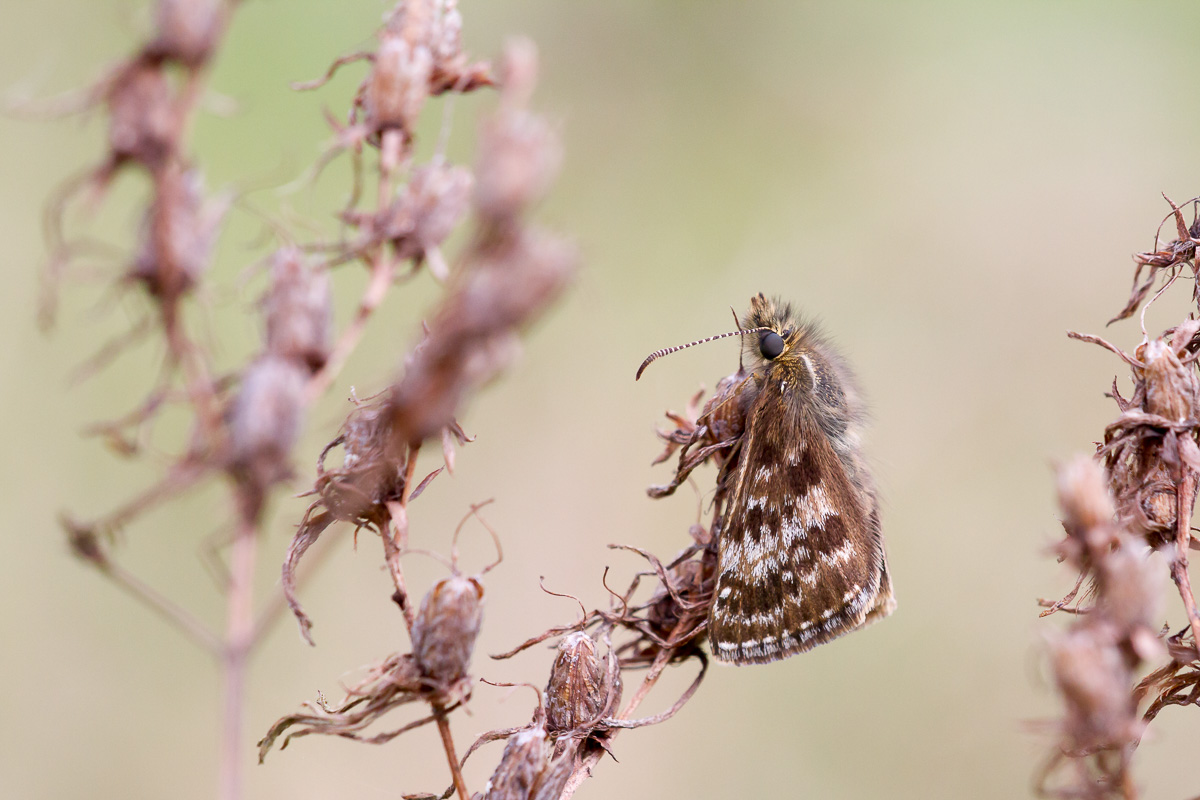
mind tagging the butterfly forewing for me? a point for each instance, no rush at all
(800, 557)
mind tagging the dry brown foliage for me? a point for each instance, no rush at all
(1140, 501)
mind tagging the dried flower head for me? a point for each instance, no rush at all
(1096, 684)
(419, 220)
(298, 309)
(186, 31)
(583, 687)
(178, 235)
(141, 116)
(264, 420)
(712, 435)
(1169, 258)
(445, 629)
(519, 154)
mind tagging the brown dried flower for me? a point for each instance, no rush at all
(298, 309)
(186, 31)
(583, 688)
(264, 421)
(445, 628)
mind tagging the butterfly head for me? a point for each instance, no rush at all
(780, 340)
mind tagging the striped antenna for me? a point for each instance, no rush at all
(668, 350)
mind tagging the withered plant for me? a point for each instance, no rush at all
(245, 419)
(1136, 498)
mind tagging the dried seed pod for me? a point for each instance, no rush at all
(141, 124)
(178, 236)
(1130, 595)
(433, 203)
(185, 30)
(299, 310)
(523, 762)
(399, 84)
(519, 153)
(1083, 496)
(581, 690)
(1172, 388)
(550, 784)
(473, 335)
(265, 419)
(445, 628)
(1096, 685)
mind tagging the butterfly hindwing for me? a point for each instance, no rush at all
(801, 559)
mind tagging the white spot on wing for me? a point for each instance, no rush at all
(814, 508)
(725, 592)
(840, 555)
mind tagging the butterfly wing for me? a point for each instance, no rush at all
(800, 558)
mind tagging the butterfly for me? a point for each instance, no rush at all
(800, 553)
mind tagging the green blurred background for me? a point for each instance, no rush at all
(949, 186)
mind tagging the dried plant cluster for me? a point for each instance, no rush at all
(1134, 500)
(246, 419)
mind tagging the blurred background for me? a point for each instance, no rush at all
(948, 186)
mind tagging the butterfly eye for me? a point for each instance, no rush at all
(770, 344)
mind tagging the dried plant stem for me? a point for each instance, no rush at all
(584, 770)
(179, 617)
(196, 379)
(1183, 537)
(443, 725)
(382, 270)
(239, 635)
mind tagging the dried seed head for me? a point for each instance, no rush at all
(298, 309)
(519, 154)
(265, 419)
(1172, 388)
(432, 204)
(1083, 496)
(580, 691)
(185, 30)
(1096, 685)
(141, 125)
(178, 235)
(473, 335)
(693, 581)
(522, 763)
(399, 83)
(1129, 591)
(552, 781)
(445, 628)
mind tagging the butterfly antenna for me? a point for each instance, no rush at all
(668, 350)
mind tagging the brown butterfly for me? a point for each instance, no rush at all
(800, 553)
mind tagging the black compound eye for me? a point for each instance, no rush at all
(770, 344)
